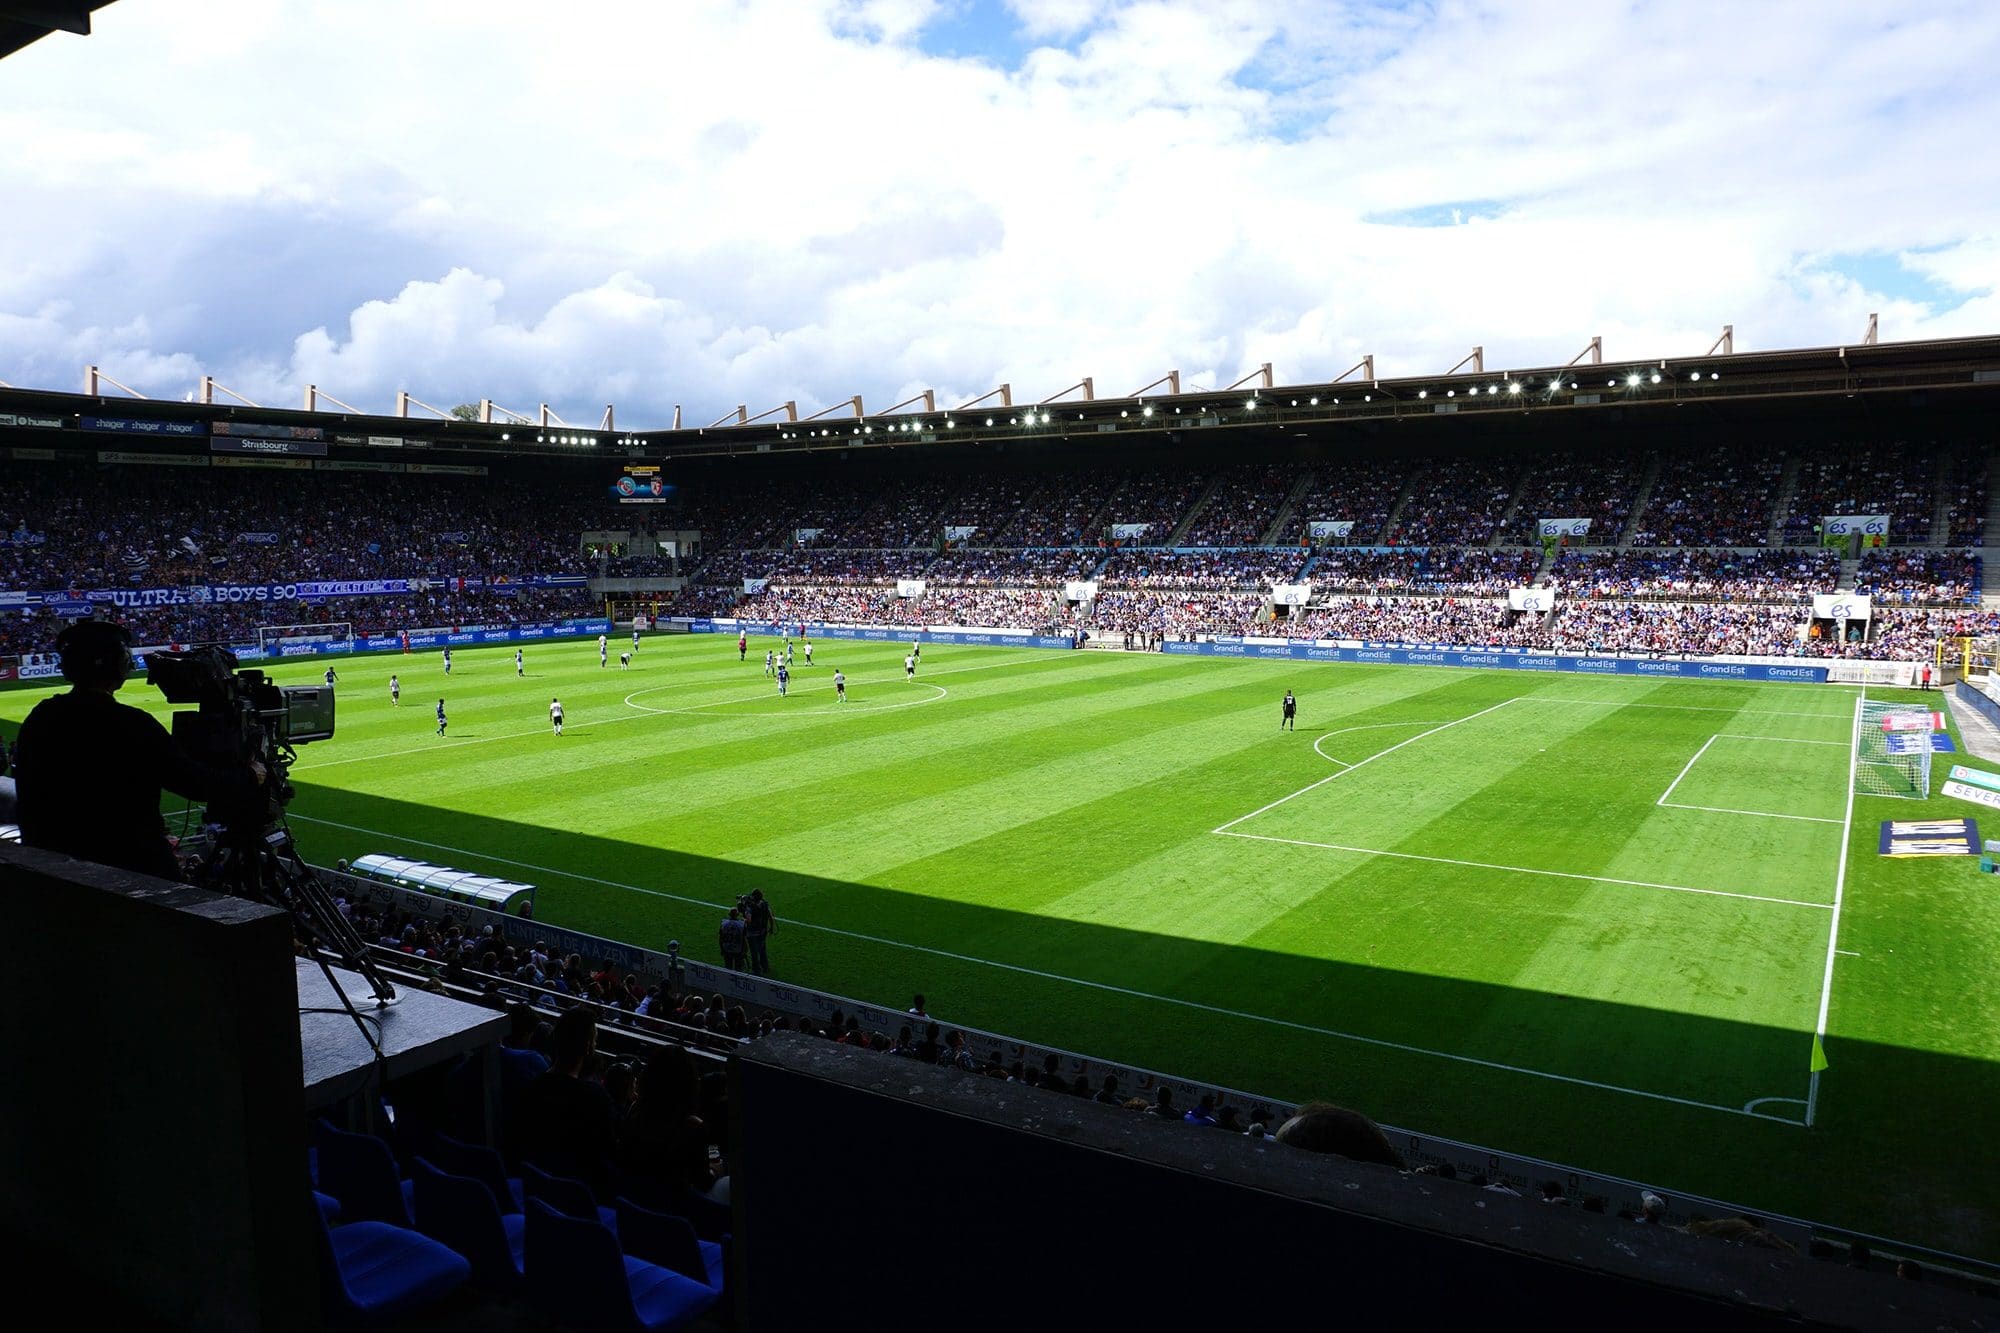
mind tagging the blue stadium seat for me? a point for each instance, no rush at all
(371, 1271)
(329, 1207)
(483, 1164)
(565, 1195)
(669, 1241)
(360, 1171)
(461, 1212)
(577, 1275)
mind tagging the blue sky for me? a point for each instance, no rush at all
(701, 204)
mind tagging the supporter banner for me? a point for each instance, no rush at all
(39, 455)
(1531, 599)
(139, 426)
(449, 469)
(959, 532)
(290, 464)
(1564, 527)
(1079, 590)
(1840, 606)
(1846, 525)
(754, 586)
(314, 591)
(554, 580)
(152, 460)
(1331, 528)
(258, 538)
(30, 421)
(1128, 531)
(20, 598)
(909, 587)
(303, 448)
(1291, 594)
(806, 536)
(9, 669)
(355, 465)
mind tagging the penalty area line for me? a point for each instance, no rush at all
(1530, 870)
(1381, 1043)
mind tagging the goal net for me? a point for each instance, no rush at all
(303, 640)
(1892, 749)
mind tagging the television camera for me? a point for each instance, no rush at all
(241, 717)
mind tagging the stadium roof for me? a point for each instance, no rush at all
(1827, 387)
(25, 21)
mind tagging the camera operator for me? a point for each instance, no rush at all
(90, 769)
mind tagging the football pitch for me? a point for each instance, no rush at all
(1599, 921)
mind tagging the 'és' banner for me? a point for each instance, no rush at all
(1564, 527)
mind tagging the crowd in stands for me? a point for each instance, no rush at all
(907, 515)
(836, 566)
(1007, 608)
(1009, 568)
(1714, 497)
(1242, 507)
(1201, 571)
(1964, 495)
(1457, 505)
(1175, 615)
(1788, 575)
(1432, 569)
(1361, 493)
(124, 526)
(1895, 479)
(1919, 577)
(152, 626)
(1482, 624)
(1677, 629)
(1598, 488)
(987, 504)
(1156, 497)
(1065, 511)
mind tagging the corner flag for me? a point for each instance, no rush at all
(1818, 1055)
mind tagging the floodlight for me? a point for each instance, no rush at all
(1313, 403)
(1656, 377)
(1148, 412)
(1514, 388)
(1045, 418)
(1633, 378)
(1423, 393)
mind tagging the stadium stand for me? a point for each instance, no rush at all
(1713, 497)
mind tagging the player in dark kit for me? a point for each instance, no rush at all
(1290, 720)
(742, 644)
(441, 719)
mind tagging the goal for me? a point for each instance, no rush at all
(1892, 749)
(304, 640)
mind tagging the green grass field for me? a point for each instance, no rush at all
(1580, 918)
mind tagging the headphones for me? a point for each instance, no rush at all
(95, 650)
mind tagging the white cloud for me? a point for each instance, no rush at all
(709, 204)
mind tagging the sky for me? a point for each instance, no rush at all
(704, 204)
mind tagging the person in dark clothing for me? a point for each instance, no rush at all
(90, 769)
(731, 941)
(565, 1123)
(758, 927)
(663, 1145)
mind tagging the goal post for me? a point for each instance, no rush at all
(303, 640)
(1892, 749)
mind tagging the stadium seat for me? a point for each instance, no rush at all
(360, 1171)
(669, 1241)
(329, 1207)
(462, 1213)
(565, 1195)
(577, 1275)
(371, 1271)
(711, 1220)
(483, 1164)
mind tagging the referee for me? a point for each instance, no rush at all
(1290, 720)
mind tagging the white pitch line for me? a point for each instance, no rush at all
(1364, 763)
(1783, 740)
(638, 714)
(1336, 1034)
(1761, 814)
(1684, 772)
(1366, 726)
(1839, 888)
(1530, 870)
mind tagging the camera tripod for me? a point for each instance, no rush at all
(265, 867)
